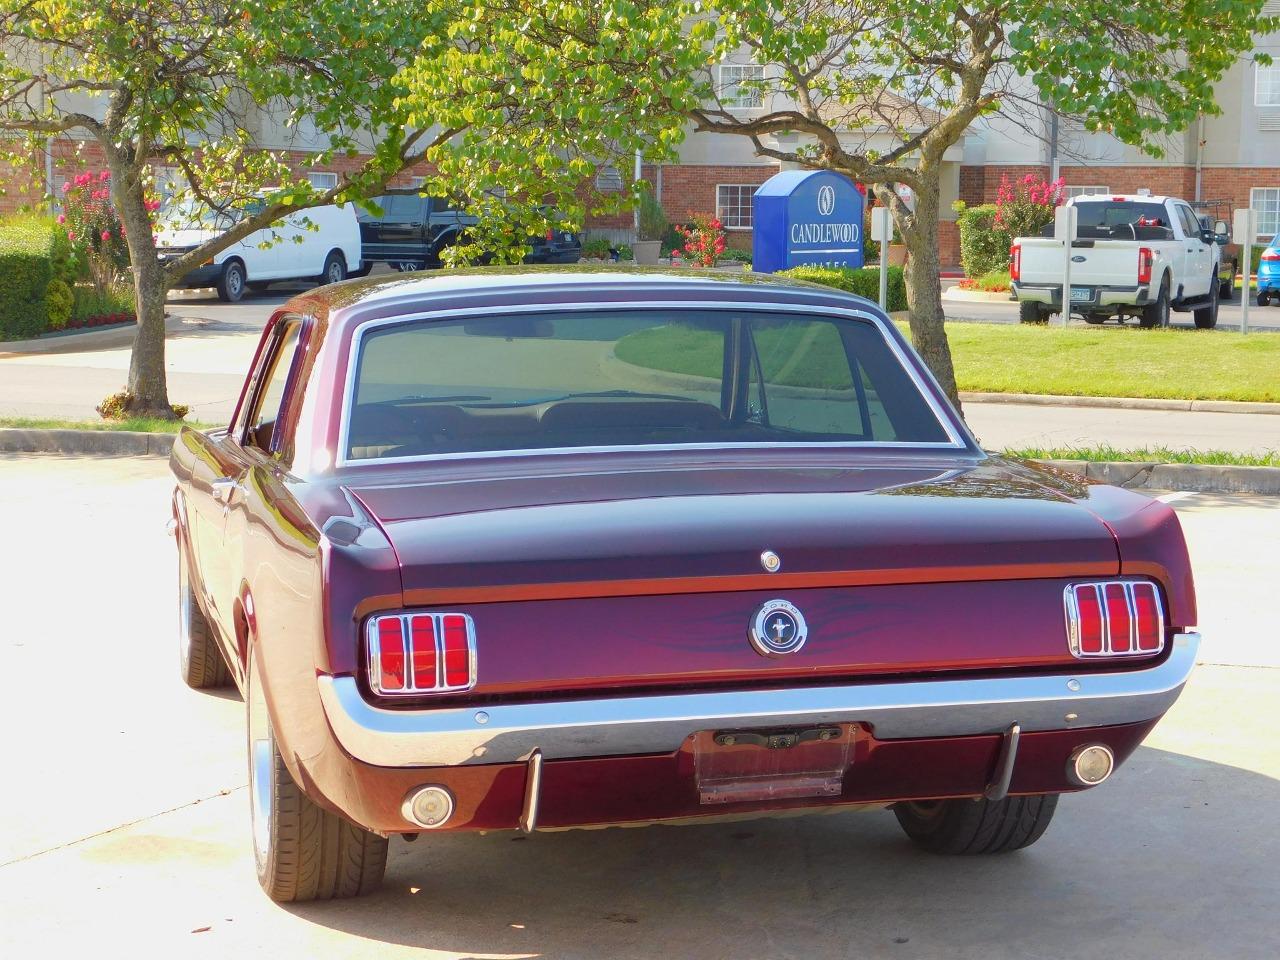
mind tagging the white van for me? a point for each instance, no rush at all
(321, 244)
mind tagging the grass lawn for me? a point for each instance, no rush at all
(1149, 455)
(1116, 362)
(136, 425)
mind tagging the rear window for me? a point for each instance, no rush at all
(1123, 220)
(629, 378)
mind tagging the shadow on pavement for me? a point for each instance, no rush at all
(1170, 859)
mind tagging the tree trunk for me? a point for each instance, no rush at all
(147, 381)
(924, 289)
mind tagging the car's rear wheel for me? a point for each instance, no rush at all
(1207, 316)
(335, 268)
(199, 657)
(301, 851)
(1031, 312)
(1263, 298)
(232, 282)
(1157, 314)
(977, 826)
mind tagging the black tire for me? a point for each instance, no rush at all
(1207, 317)
(977, 826)
(301, 851)
(335, 268)
(200, 658)
(1157, 314)
(232, 282)
(1032, 312)
(1263, 298)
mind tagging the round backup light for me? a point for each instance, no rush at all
(428, 807)
(1090, 765)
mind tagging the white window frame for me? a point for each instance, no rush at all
(1266, 200)
(1266, 85)
(1083, 190)
(722, 208)
(608, 179)
(326, 179)
(728, 81)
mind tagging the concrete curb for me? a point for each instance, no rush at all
(1123, 403)
(1194, 477)
(957, 295)
(105, 443)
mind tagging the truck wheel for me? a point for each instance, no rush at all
(335, 268)
(1031, 313)
(232, 283)
(199, 657)
(1157, 314)
(1207, 317)
(977, 826)
(302, 852)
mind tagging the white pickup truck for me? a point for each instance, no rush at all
(1134, 256)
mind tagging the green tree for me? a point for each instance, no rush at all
(512, 106)
(881, 89)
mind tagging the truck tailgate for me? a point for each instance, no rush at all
(1095, 263)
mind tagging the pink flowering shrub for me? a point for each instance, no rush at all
(1024, 207)
(704, 240)
(94, 228)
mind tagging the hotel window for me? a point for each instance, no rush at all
(1266, 86)
(608, 180)
(1266, 200)
(737, 89)
(323, 181)
(1074, 191)
(733, 205)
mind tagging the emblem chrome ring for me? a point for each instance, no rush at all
(777, 629)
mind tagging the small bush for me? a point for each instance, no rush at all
(58, 302)
(113, 305)
(33, 252)
(596, 248)
(864, 282)
(653, 221)
(984, 247)
(625, 252)
(115, 407)
(997, 281)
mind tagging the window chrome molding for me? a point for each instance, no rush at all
(921, 377)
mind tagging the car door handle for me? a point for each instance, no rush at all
(223, 488)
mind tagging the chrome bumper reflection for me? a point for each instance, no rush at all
(505, 733)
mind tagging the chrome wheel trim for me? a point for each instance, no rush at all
(335, 271)
(261, 770)
(235, 280)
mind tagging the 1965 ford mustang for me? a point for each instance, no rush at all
(536, 549)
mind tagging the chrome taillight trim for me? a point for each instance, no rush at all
(373, 653)
(1071, 609)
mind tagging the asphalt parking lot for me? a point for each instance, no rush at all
(126, 818)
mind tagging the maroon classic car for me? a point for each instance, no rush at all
(531, 549)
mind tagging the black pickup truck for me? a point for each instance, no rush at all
(412, 232)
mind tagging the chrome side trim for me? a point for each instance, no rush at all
(452, 736)
(958, 436)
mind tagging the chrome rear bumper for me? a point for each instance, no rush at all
(506, 733)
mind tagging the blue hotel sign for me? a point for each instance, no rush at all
(806, 217)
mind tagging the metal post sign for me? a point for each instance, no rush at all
(806, 217)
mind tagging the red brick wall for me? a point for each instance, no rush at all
(980, 184)
(1165, 181)
(948, 243)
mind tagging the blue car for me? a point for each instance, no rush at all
(1269, 273)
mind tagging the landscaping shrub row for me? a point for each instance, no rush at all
(865, 282)
(36, 277)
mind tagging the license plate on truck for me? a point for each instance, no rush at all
(1079, 294)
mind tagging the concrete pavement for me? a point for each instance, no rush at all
(126, 820)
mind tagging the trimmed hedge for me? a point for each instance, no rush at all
(865, 282)
(33, 251)
(984, 247)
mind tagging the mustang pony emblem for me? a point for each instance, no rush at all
(777, 628)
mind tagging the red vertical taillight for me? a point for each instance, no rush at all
(1114, 618)
(417, 653)
(457, 655)
(1148, 616)
(1146, 258)
(423, 631)
(1015, 262)
(390, 660)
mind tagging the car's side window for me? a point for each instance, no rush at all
(271, 386)
(1189, 222)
